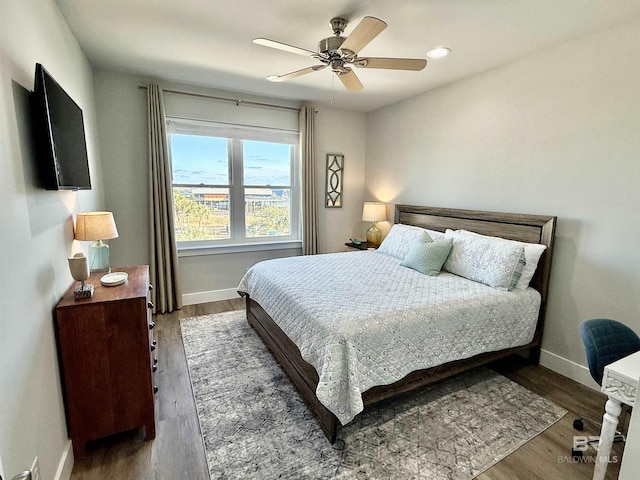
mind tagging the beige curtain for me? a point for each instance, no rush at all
(309, 183)
(163, 264)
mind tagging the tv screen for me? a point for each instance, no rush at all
(60, 141)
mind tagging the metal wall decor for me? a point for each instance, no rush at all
(335, 170)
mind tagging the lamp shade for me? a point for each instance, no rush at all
(95, 226)
(374, 212)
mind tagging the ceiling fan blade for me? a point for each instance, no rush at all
(287, 48)
(367, 30)
(350, 80)
(297, 73)
(391, 63)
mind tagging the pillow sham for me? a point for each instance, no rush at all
(490, 260)
(434, 234)
(532, 254)
(400, 239)
(428, 257)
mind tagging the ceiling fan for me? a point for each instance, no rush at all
(340, 53)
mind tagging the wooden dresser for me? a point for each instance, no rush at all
(106, 352)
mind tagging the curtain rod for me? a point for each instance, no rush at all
(238, 102)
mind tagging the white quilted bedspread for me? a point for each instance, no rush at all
(363, 320)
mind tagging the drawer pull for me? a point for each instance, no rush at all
(153, 345)
(152, 325)
(150, 304)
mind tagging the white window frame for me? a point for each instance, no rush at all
(234, 134)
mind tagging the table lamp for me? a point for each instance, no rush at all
(96, 227)
(374, 212)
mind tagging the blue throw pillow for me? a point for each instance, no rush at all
(427, 258)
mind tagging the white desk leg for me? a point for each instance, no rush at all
(612, 409)
(631, 462)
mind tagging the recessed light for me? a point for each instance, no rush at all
(438, 52)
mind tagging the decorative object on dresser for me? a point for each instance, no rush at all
(105, 345)
(96, 227)
(114, 279)
(374, 212)
(80, 271)
(335, 169)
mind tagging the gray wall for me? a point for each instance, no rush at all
(343, 132)
(36, 238)
(122, 124)
(555, 133)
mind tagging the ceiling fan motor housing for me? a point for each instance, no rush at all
(330, 45)
(337, 65)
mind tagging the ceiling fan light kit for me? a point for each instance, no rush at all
(341, 53)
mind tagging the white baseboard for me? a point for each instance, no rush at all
(66, 463)
(568, 368)
(210, 296)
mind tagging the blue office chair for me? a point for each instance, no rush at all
(605, 341)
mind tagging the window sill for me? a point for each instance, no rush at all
(249, 247)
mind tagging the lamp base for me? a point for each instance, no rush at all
(99, 257)
(374, 236)
(83, 291)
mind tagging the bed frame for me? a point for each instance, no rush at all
(525, 228)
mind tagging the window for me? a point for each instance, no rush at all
(233, 184)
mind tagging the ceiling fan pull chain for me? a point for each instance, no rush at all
(333, 90)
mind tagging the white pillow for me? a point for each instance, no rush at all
(532, 254)
(400, 239)
(490, 260)
(434, 234)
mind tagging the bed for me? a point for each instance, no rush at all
(376, 348)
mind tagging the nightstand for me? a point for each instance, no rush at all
(352, 246)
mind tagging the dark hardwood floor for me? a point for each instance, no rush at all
(177, 451)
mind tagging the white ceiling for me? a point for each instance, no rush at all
(209, 42)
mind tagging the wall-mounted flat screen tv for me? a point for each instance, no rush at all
(61, 146)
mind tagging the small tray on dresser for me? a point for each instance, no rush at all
(114, 278)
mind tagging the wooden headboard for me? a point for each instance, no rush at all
(513, 226)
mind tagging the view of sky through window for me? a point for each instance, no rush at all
(266, 163)
(197, 159)
(204, 160)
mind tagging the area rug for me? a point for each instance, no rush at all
(255, 425)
